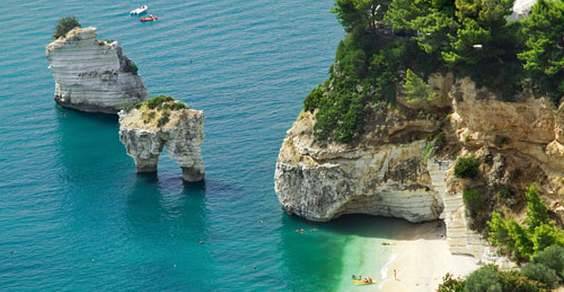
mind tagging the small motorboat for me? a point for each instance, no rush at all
(149, 18)
(139, 10)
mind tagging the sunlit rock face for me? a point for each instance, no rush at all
(387, 172)
(322, 183)
(521, 8)
(93, 75)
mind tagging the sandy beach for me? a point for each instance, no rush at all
(420, 258)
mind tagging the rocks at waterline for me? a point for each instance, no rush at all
(161, 121)
(93, 75)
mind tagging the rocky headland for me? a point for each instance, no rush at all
(163, 122)
(391, 133)
(93, 75)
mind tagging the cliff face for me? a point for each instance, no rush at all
(391, 171)
(387, 179)
(144, 132)
(92, 75)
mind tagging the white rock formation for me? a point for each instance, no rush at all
(320, 183)
(145, 132)
(521, 8)
(92, 75)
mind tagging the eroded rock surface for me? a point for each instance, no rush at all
(93, 75)
(322, 183)
(145, 132)
(386, 172)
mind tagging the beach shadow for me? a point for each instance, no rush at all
(373, 227)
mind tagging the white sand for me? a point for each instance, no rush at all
(421, 258)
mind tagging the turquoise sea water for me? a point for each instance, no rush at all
(75, 216)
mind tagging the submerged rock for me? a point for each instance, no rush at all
(93, 75)
(160, 122)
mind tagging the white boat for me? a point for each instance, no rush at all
(139, 10)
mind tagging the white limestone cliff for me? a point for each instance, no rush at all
(322, 183)
(93, 75)
(517, 143)
(145, 132)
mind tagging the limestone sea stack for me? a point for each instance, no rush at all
(159, 122)
(93, 75)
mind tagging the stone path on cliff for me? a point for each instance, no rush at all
(461, 240)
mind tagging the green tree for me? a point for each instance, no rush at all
(498, 234)
(485, 279)
(314, 99)
(415, 89)
(522, 247)
(451, 284)
(515, 281)
(429, 21)
(542, 274)
(543, 56)
(546, 235)
(537, 213)
(360, 14)
(65, 25)
(552, 257)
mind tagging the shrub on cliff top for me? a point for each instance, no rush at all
(65, 25)
(467, 167)
(162, 102)
(158, 101)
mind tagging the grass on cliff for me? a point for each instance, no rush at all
(65, 25)
(162, 102)
(159, 107)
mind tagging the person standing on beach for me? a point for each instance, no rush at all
(395, 274)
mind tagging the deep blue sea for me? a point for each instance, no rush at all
(75, 216)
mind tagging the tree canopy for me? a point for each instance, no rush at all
(390, 42)
(543, 53)
(65, 25)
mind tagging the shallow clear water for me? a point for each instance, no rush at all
(75, 216)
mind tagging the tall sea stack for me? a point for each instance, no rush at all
(93, 75)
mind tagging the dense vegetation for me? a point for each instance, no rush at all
(544, 272)
(65, 25)
(489, 278)
(395, 45)
(524, 242)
